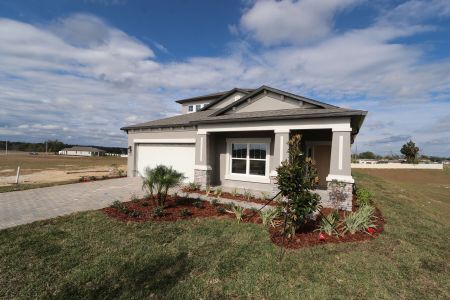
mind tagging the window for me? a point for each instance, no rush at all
(249, 158)
(191, 108)
(198, 107)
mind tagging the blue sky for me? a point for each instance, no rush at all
(79, 70)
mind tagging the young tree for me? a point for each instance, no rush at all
(160, 179)
(410, 151)
(297, 176)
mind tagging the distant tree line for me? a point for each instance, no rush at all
(409, 151)
(53, 146)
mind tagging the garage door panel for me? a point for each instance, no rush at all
(180, 157)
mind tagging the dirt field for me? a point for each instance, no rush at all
(55, 168)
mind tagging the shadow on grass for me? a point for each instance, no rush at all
(130, 280)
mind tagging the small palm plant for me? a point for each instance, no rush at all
(267, 216)
(159, 180)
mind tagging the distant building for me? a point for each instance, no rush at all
(367, 161)
(82, 151)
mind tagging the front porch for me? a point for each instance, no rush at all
(247, 160)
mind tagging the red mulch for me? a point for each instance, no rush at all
(171, 211)
(305, 237)
(232, 197)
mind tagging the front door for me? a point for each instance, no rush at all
(322, 155)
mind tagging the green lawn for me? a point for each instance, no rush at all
(87, 255)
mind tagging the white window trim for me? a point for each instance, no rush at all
(247, 177)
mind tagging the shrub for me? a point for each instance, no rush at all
(221, 210)
(218, 191)
(193, 186)
(120, 206)
(267, 216)
(158, 211)
(183, 201)
(329, 223)
(198, 204)
(296, 177)
(184, 212)
(92, 178)
(215, 202)
(235, 192)
(159, 180)
(104, 177)
(238, 212)
(145, 203)
(363, 197)
(361, 220)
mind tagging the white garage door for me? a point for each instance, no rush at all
(180, 156)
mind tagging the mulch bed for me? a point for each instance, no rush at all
(305, 237)
(230, 196)
(172, 210)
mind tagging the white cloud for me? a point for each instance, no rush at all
(288, 21)
(86, 86)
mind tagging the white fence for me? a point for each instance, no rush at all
(399, 166)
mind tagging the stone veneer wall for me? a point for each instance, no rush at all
(340, 195)
(203, 177)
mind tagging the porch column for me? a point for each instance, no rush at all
(340, 180)
(280, 153)
(203, 170)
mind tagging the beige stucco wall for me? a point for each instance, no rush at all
(228, 100)
(185, 106)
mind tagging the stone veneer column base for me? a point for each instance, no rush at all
(274, 185)
(340, 195)
(203, 177)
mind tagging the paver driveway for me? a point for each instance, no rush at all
(39, 204)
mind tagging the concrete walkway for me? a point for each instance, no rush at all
(23, 207)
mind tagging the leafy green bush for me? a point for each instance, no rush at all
(296, 177)
(329, 223)
(120, 206)
(184, 212)
(92, 178)
(159, 180)
(158, 211)
(184, 201)
(361, 220)
(193, 186)
(198, 204)
(238, 212)
(215, 202)
(363, 196)
(144, 203)
(267, 216)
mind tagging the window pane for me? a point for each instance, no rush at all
(198, 107)
(258, 167)
(258, 151)
(238, 166)
(191, 108)
(239, 151)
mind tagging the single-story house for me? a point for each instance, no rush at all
(82, 151)
(237, 138)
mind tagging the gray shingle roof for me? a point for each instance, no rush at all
(220, 115)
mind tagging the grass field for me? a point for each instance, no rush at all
(87, 255)
(35, 163)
